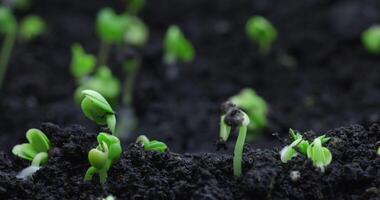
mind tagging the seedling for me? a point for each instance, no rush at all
(177, 47)
(31, 27)
(152, 145)
(135, 6)
(321, 156)
(232, 119)
(82, 64)
(371, 39)
(103, 156)
(35, 151)
(96, 108)
(255, 107)
(259, 30)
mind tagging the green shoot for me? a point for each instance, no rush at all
(152, 145)
(136, 32)
(371, 39)
(135, 6)
(103, 156)
(96, 108)
(82, 64)
(288, 152)
(8, 28)
(262, 32)
(31, 27)
(234, 118)
(103, 82)
(319, 155)
(36, 150)
(255, 107)
(177, 47)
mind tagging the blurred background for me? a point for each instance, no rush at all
(317, 76)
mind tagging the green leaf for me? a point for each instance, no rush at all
(8, 23)
(287, 153)
(25, 151)
(97, 158)
(177, 47)
(113, 144)
(82, 64)
(136, 32)
(38, 140)
(371, 39)
(111, 27)
(261, 31)
(96, 107)
(31, 27)
(155, 145)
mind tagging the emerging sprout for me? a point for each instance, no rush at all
(135, 6)
(31, 27)
(371, 39)
(262, 32)
(103, 156)
(255, 107)
(96, 108)
(36, 151)
(234, 118)
(153, 145)
(8, 28)
(82, 63)
(136, 32)
(110, 26)
(177, 47)
(319, 155)
(288, 152)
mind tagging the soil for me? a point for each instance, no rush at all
(353, 173)
(329, 81)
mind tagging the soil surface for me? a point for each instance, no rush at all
(353, 173)
(334, 82)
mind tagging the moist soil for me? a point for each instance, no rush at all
(317, 77)
(353, 173)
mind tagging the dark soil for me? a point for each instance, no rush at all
(353, 173)
(333, 70)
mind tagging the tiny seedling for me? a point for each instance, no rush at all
(152, 145)
(319, 155)
(232, 119)
(103, 156)
(262, 32)
(177, 47)
(82, 64)
(255, 107)
(96, 108)
(35, 151)
(31, 27)
(371, 39)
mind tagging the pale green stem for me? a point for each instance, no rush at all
(129, 85)
(111, 122)
(5, 54)
(143, 140)
(238, 152)
(39, 159)
(104, 49)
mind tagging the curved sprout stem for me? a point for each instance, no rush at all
(39, 159)
(238, 152)
(142, 140)
(224, 129)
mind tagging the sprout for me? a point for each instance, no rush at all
(103, 82)
(231, 119)
(136, 32)
(31, 27)
(36, 151)
(319, 155)
(153, 145)
(96, 108)
(261, 31)
(177, 47)
(135, 6)
(8, 27)
(371, 39)
(82, 63)
(288, 152)
(103, 156)
(255, 107)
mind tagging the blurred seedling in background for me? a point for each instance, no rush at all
(30, 27)
(151, 145)
(371, 39)
(319, 155)
(103, 156)
(35, 151)
(259, 30)
(177, 49)
(122, 31)
(256, 109)
(234, 119)
(134, 6)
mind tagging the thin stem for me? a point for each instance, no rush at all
(225, 130)
(90, 173)
(5, 54)
(238, 152)
(143, 140)
(129, 85)
(111, 122)
(39, 159)
(104, 49)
